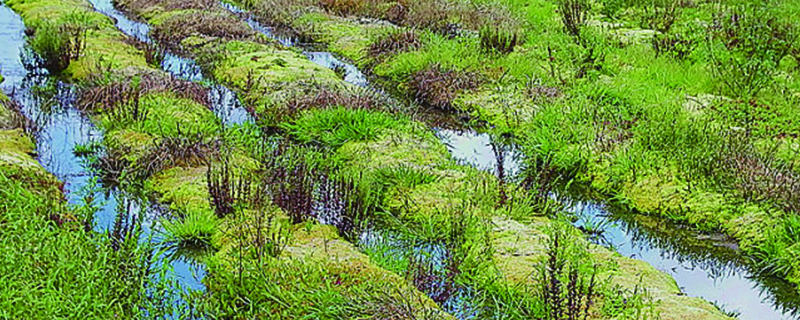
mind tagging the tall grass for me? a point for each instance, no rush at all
(61, 270)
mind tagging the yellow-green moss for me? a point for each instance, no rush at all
(16, 161)
(105, 45)
(343, 37)
(499, 105)
(166, 115)
(519, 247)
(130, 144)
(265, 65)
(185, 189)
(321, 244)
(395, 148)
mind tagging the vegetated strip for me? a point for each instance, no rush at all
(153, 124)
(397, 160)
(255, 216)
(578, 116)
(54, 265)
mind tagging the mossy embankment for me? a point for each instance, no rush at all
(79, 41)
(634, 101)
(151, 120)
(388, 155)
(306, 279)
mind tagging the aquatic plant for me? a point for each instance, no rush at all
(567, 281)
(227, 188)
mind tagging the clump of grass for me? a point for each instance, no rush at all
(102, 93)
(498, 40)
(394, 42)
(58, 43)
(174, 150)
(334, 127)
(191, 229)
(437, 86)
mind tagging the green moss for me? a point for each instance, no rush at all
(185, 189)
(129, 144)
(247, 65)
(502, 105)
(519, 247)
(17, 162)
(166, 115)
(321, 244)
(658, 193)
(106, 49)
(342, 37)
(395, 148)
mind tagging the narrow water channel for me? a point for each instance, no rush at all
(725, 279)
(61, 127)
(706, 266)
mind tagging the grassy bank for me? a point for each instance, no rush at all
(392, 169)
(633, 98)
(53, 264)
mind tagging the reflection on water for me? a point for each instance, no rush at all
(480, 151)
(706, 266)
(427, 264)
